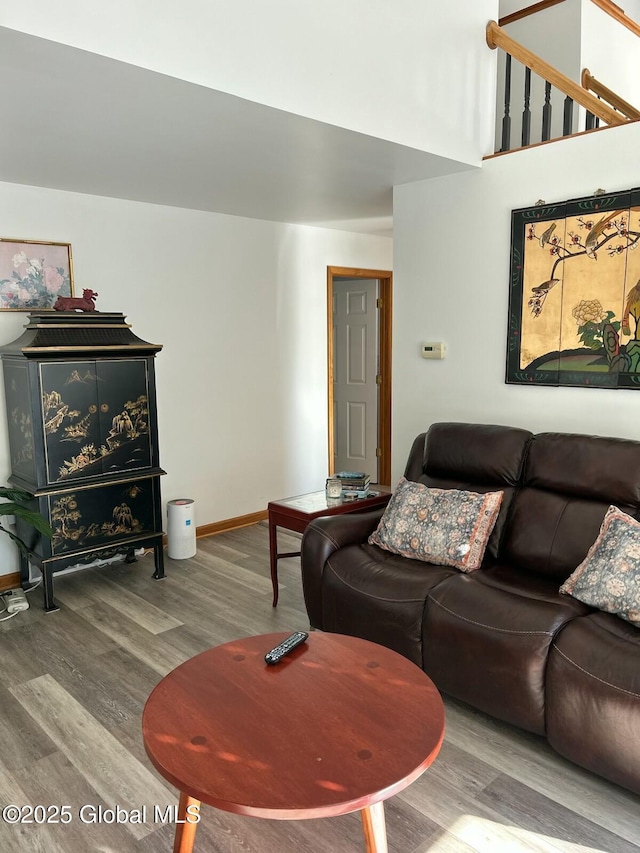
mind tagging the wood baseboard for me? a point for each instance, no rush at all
(231, 524)
(10, 581)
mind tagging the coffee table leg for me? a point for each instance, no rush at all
(375, 831)
(273, 559)
(186, 825)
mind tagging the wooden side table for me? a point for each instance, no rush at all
(339, 725)
(297, 512)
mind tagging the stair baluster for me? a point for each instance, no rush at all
(506, 119)
(546, 112)
(567, 126)
(526, 114)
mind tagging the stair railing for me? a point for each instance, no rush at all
(574, 92)
(607, 6)
(590, 83)
(528, 10)
(618, 14)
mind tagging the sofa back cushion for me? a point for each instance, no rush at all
(568, 484)
(474, 457)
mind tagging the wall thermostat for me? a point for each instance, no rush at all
(433, 350)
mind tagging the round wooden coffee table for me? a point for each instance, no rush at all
(339, 725)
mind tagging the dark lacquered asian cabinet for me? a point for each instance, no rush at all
(83, 437)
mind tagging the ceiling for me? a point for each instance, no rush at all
(78, 121)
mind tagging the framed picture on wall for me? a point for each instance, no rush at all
(574, 293)
(33, 274)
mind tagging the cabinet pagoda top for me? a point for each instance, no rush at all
(92, 333)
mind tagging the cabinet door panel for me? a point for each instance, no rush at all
(124, 415)
(91, 518)
(70, 419)
(95, 418)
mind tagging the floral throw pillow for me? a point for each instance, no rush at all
(609, 576)
(449, 527)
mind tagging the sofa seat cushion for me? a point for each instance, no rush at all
(486, 638)
(593, 697)
(512, 580)
(379, 596)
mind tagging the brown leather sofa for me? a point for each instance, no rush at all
(502, 638)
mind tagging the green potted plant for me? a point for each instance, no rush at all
(19, 503)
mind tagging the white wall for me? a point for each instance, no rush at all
(451, 273)
(240, 307)
(632, 9)
(611, 52)
(552, 33)
(386, 69)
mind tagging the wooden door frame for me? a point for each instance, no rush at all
(385, 277)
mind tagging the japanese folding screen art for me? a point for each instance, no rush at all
(574, 306)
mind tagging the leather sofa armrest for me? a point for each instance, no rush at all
(320, 540)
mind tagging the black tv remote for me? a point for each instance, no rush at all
(288, 645)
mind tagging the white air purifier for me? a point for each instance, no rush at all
(181, 529)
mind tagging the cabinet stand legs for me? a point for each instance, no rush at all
(50, 605)
(158, 556)
(47, 584)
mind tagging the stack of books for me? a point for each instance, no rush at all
(355, 484)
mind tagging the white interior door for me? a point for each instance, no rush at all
(355, 360)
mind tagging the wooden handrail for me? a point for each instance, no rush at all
(607, 6)
(528, 10)
(589, 82)
(496, 37)
(617, 13)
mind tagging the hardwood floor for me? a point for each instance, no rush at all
(73, 685)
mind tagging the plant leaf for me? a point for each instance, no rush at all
(30, 516)
(15, 494)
